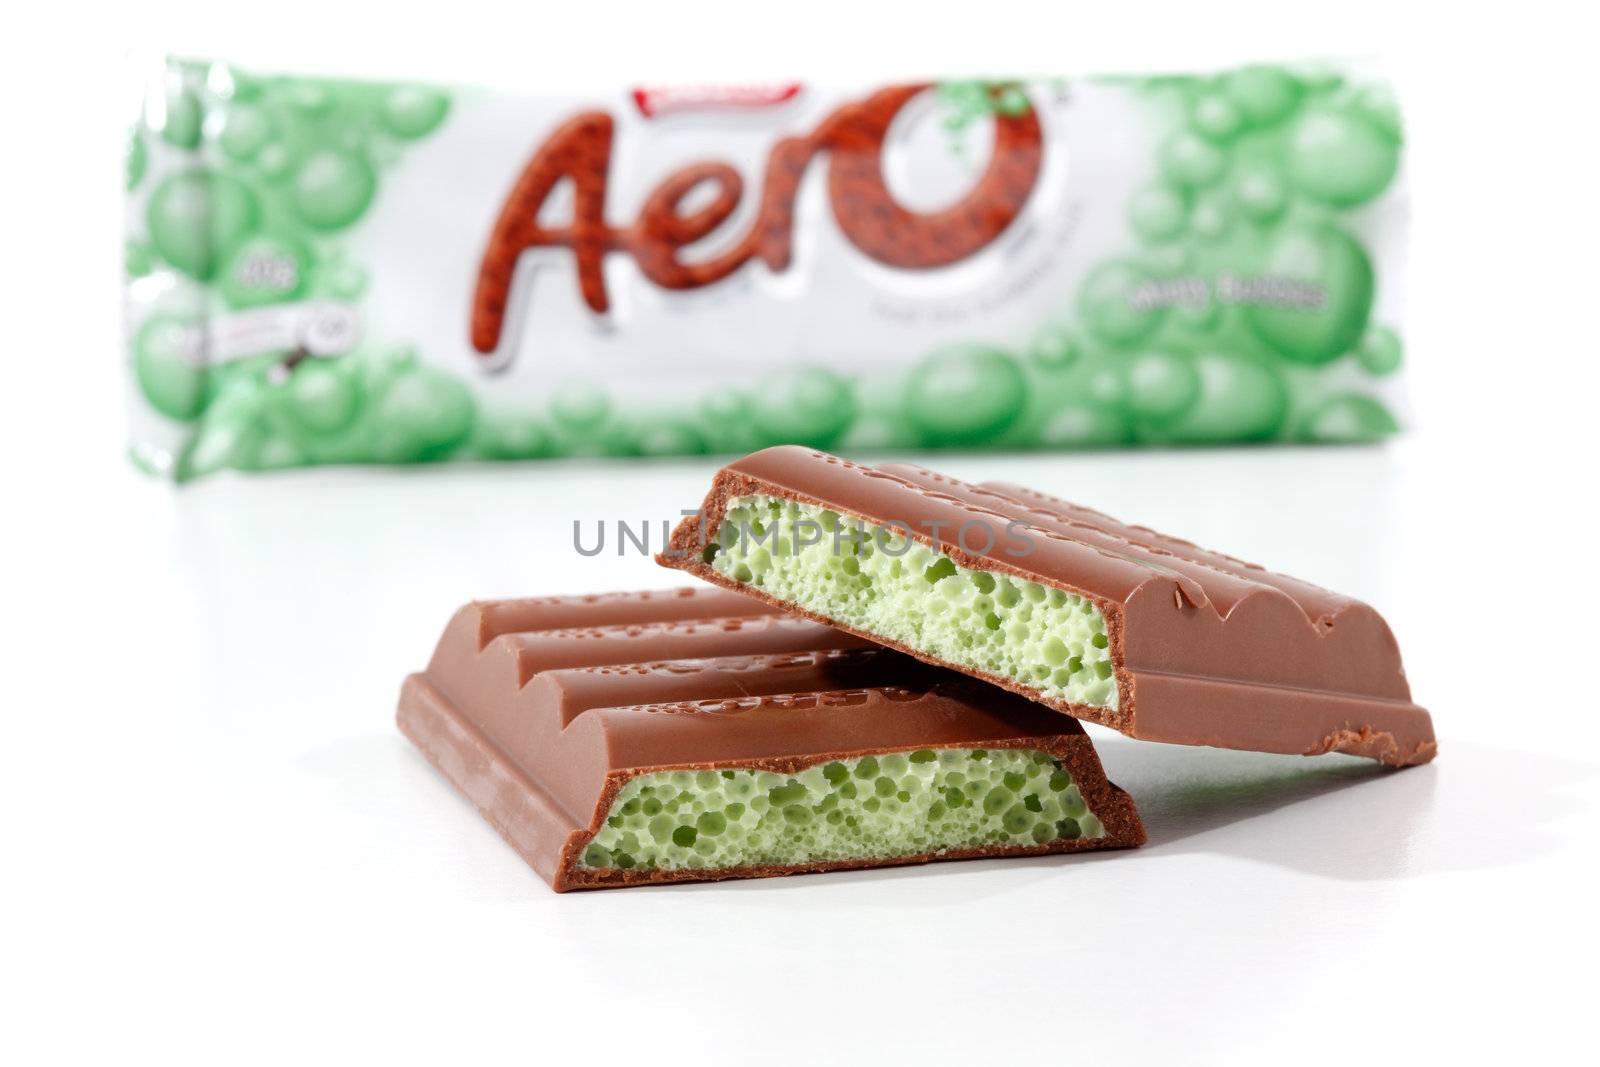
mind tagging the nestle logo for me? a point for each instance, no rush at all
(665, 100)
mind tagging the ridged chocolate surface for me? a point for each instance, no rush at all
(1208, 649)
(539, 710)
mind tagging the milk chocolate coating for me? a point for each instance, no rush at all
(538, 711)
(1207, 649)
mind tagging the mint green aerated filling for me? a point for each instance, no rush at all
(882, 583)
(870, 807)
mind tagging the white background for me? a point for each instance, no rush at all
(220, 850)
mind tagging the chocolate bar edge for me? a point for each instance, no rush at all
(1407, 741)
(511, 802)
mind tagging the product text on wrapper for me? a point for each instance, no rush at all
(859, 197)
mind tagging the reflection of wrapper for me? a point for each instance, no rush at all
(341, 272)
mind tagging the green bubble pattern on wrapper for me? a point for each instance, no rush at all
(863, 808)
(263, 178)
(1240, 308)
(883, 583)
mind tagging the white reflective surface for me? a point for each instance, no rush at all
(221, 850)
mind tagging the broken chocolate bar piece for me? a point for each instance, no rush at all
(697, 734)
(1117, 624)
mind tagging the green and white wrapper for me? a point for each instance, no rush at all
(1201, 259)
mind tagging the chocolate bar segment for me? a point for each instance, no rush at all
(698, 734)
(1117, 624)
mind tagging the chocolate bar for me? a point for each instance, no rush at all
(697, 734)
(1117, 624)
